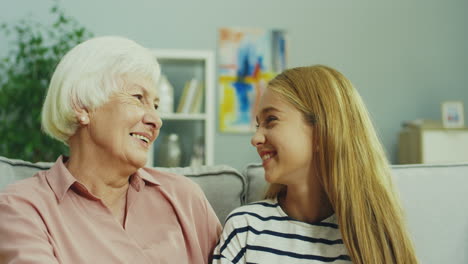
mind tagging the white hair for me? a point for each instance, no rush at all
(87, 75)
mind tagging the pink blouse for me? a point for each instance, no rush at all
(52, 218)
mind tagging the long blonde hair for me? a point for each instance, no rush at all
(351, 164)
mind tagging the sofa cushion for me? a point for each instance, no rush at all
(255, 181)
(435, 199)
(224, 186)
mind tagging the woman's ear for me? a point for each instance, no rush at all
(82, 116)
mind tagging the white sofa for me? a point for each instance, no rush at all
(435, 198)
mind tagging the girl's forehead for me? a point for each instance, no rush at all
(270, 97)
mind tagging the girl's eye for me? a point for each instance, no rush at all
(270, 119)
(267, 121)
(156, 106)
(138, 96)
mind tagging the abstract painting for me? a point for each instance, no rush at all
(248, 59)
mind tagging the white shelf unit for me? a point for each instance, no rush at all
(180, 66)
(433, 145)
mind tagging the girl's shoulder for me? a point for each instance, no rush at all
(256, 210)
(258, 206)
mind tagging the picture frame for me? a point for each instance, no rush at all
(452, 114)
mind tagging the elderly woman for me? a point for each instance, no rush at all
(99, 205)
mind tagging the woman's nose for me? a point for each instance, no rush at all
(153, 118)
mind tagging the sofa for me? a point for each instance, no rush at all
(435, 198)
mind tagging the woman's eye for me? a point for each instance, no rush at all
(156, 106)
(138, 96)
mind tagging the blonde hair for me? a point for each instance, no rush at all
(87, 75)
(351, 164)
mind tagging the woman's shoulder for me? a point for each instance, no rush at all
(172, 183)
(167, 177)
(28, 189)
(29, 196)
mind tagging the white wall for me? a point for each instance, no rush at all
(405, 57)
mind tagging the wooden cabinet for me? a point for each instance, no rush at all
(432, 144)
(180, 67)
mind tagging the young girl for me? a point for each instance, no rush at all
(331, 197)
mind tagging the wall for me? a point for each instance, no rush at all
(405, 57)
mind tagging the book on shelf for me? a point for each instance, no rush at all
(188, 97)
(196, 107)
(182, 98)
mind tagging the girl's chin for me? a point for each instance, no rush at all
(270, 178)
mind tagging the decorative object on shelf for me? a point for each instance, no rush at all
(198, 154)
(194, 72)
(34, 51)
(170, 152)
(166, 96)
(452, 114)
(249, 58)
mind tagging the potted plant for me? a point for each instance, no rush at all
(25, 73)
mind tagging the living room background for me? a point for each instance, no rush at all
(404, 57)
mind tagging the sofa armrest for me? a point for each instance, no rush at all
(12, 170)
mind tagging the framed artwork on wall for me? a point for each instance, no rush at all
(452, 114)
(248, 59)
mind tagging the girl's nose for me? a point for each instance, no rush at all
(257, 139)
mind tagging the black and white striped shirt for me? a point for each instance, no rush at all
(261, 232)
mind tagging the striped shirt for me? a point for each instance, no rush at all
(261, 232)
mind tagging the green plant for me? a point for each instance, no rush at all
(24, 78)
